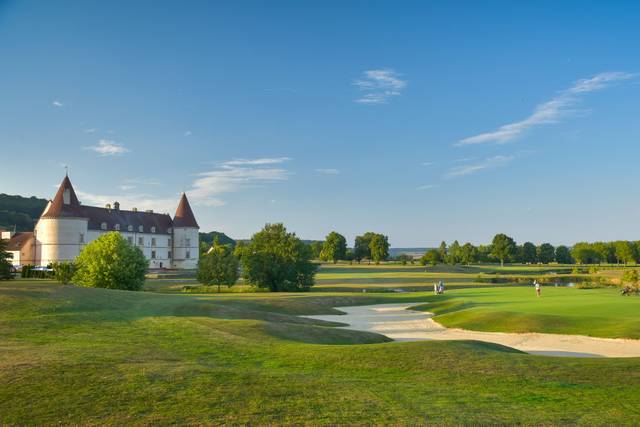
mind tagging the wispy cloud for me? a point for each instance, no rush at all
(254, 162)
(378, 86)
(548, 112)
(57, 104)
(428, 163)
(187, 133)
(91, 130)
(469, 169)
(328, 171)
(128, 201)
(133, 183)
(107, 147)
(427, 187)
(236, 175)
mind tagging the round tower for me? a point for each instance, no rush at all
(185, 240)
(61, 231)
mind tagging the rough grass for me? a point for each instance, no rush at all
(78, 356)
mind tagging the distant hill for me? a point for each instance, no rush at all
(21, 212)
(223, 239)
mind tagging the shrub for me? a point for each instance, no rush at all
(218, 266)
(63, 271)
(111, 262)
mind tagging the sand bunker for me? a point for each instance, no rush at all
(400, 324)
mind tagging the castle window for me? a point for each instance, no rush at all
(130, 228)
(140, 229)
(140, 241)
(188, 255)
(153, 229)
(153, 254)
(187, 242)
(66, 196)
(81, 237)
(130, 240)
(103, 226)
(116, 227)
(169, 230)
(153, 241)
(169, 242)
(169, 254)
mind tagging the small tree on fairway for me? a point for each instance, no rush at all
(5, 261)
(111, 262)
(278, 261)
(362, 248)
(218, 266)
(63, 271)
(316, 248)
(379, 246)
(334, 247)
(503, 247)
(468, 253)
(431, 257)
(442, 251)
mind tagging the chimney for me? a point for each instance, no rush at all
(149, 211)
(108, 206)
(134, 209)
(116, 205)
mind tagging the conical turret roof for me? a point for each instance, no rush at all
(184, 215)
(64, 205)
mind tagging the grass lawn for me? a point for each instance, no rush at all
(71, 355)
(595, 312)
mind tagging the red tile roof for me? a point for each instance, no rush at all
(111, 216)
(18, 241)
(184, 215)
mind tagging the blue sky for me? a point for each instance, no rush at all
(422, 120)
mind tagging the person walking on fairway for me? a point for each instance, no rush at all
(435, 288)
(537, 286)
(441, 287)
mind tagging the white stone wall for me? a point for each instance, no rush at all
(186, 249)
(151, 242)
(59, 239)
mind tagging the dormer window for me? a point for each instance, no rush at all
(116, 227)
(66, 196)
(103, 226)
(140, 229)
(153, 229)
(130, 228)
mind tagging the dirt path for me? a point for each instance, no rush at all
(400, 324)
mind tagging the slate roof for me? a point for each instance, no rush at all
(184, 215)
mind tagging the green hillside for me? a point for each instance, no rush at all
(21, 212)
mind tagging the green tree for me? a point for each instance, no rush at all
(404, 258)
(468, 254)
(334, 247)
(442, 251)
(528, 253)
(606, 252)
(546, 253)
(630, 281)
(584, 253)
(316, 248)
(453, 254)
(431, 257)
(239, 249)
(563, 256)
(64, 271)
(278, 261)
(625, 251)
(379, 246)
(111, 262)
(5, 261)
(361, 248)
(503, 247)
(218, 266)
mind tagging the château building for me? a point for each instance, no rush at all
(66, 226)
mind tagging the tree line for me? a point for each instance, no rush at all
(504, 249)
(368, 247)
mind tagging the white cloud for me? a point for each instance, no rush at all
(253, 162)
(92, 130)
(428, 163)
(469, 169)
(128, 201)
(427, 187)
(107, 147)
(548, 112)
(236, 175)
(379, 85)
(57, 104)
(328, 171)
(187, 133)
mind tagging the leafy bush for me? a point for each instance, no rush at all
(219, 266)
(63, 271)
(111, 262)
